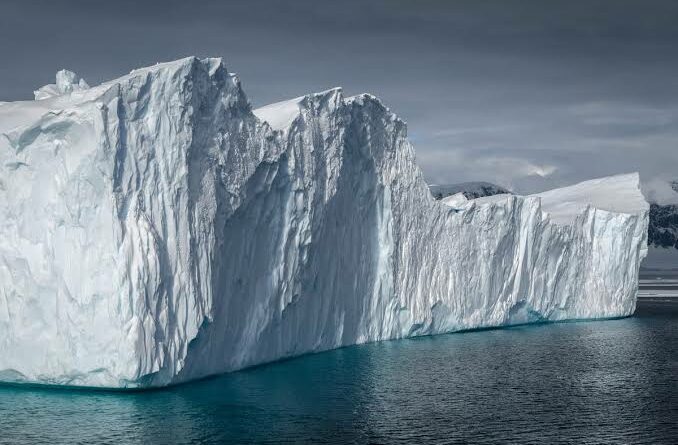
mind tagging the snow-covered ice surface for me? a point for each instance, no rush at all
(280, 115)
(617, 194)
(458, 200)
(154, 229)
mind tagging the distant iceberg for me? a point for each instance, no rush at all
(155, 229)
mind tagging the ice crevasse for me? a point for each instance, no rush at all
(156, 229)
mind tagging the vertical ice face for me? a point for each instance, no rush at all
(154, 229)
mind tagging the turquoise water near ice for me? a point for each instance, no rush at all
(610, 381)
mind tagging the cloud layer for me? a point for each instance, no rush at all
(527, 94)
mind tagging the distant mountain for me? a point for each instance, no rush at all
(663, 229)
(471, 190)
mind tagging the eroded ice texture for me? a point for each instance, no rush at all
(154, 229)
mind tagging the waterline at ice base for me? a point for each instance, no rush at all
(156, 229)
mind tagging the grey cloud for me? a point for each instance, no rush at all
(525, 93)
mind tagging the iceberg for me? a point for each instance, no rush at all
(156, 229)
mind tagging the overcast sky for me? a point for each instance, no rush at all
(526, 94)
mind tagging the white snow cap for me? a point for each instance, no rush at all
(617, 194)
(280, 115)
(66, 82)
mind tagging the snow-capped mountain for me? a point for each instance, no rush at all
(155, 229)
(663, 229)
(470, 190)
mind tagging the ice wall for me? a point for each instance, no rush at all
(155, 229)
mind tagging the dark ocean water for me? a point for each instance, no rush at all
(588, 382)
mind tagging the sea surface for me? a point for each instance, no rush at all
(612, 381)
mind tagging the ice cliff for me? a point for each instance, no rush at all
(155, 229)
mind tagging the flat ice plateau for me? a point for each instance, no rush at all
(155, 229)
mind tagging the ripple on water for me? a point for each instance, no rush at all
(592, 382)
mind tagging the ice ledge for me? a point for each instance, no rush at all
(281, 115)
(617, 194)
